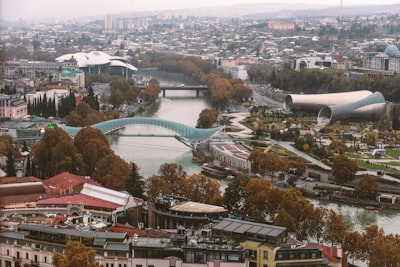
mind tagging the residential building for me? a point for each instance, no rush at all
(228, 243)
(13, 106)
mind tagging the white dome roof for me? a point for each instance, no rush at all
(391, 50)
(97, 58)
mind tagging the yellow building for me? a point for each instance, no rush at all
(268, 245)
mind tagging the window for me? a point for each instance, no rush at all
(302, 255)
(280, 256)
(18, 255)
(313, 255)
(36, 258)
(150, 265)
(291, 256)
(138, 265)
(26, 256)
(233, 257)
(45, 259)
(265, 255)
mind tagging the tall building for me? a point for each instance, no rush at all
(108, 23)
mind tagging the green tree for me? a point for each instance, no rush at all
(135, 184)
(77, 254)
(234, 197)
(10, 168)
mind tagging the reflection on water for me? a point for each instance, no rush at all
(359, 218)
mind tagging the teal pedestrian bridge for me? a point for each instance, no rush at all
(185, 134)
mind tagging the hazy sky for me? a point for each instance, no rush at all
(34, 9)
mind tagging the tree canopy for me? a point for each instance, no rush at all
(77, 254)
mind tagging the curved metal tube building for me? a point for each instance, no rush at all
(314, 102)
(366, 108)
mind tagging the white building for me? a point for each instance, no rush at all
(388, 61)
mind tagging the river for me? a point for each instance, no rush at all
(184, 107)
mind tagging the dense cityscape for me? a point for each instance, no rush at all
(301, 111)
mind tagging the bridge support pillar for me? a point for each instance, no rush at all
(197, 93)
(163, 93)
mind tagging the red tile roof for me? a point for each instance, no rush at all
(65, 182)
(77, 200)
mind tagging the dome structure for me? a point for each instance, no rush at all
(100, 62)
(391, 50)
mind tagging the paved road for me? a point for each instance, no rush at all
(288, 146)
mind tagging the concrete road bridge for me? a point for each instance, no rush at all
(196, 88)
(183, 133)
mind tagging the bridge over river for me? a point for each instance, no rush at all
(181, 87)
(185, 134)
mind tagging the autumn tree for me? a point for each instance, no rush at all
(207, 118)
(156, 186)
(201, 189)
(351, 244)
(369, 236)
(385, 251)
(173, 174)
(344, 169)
(221, 91)
(152, 91)
(240, 90)
(49, 151)
(6, 144)
(294, 211)
(367, 187)
(274, 163)
(77, 254)
(93, 145)
(254, 156)
(256, 191)
(336, 228)
(112, 172)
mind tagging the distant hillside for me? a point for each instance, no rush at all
(277, 10)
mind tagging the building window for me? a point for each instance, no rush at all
(302, 256)
(313, 255)
(280, 256)
(291, 256)
(18, 255)
(265, 255)
(150, 265)
(26, 256)
(45, 259)
(138, 265)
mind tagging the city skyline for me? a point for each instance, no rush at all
(41, 9)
